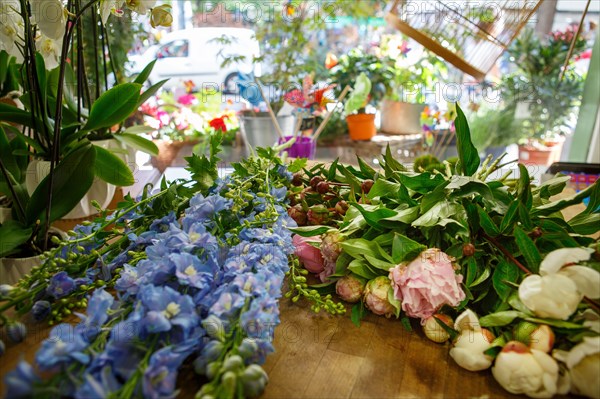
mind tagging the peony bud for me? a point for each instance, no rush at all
(323, 187)
(434, 331)
(376, 296)
(366, 186)
(341, 207)
(297, 213)
(309, 256)
(540, 337)
(583, 362)
(161, 16)
(521, 370)
(16, 331)
(315, 181)
(350, 289)
(553, 295)
(297, 179)
(470, 345)
(468, 250)
(318, 215)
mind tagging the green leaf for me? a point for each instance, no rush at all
(422, 183)
(143, 76)
(404, 249)
(361, 268)
(114, 106)
(12, 235)
(41, 75)
(467, 153)
(73, 177)
(553, 207)
(528, 250)
(8, 113)
(556, 323)
(310, 231)
(367, 170)
(524, 187)
(384, 188)
(139, 129)
(7, 157)
(358, 313)
(358, 247)
(333, 170)
(395, 302)
(379, 264)
(586, 223)
(500, 319)
(390, 164)
(505, 271)
(509, 219)
(112, 169)
(137, 142)
(486, 222)
(145, 96)
(373, 214)
(516, 304)
(487, 271)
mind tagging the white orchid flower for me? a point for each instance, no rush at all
(521, 370)
(11, 28)
(583, 362)
(50, 50)
(559, 288)
(470, 345)
(107, 7)
(51, 17)
(140, 6)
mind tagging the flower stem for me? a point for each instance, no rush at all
(506, 252)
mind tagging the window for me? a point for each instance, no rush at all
(176, 48)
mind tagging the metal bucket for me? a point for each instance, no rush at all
(258, 129)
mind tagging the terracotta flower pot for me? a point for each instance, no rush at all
(167, 152)
(544, 155)
(361, 126)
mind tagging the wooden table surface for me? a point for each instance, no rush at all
(323, 356)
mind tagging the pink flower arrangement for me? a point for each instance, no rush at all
(309, 98)
(427, 283)
(308, 255)
(187, 100)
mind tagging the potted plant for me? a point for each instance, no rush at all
(62, 123)
(538, 92)
(494, 128)
(361, 125)
(413, 75)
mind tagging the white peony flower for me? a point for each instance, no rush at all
(553, 295)
(470, 345)
(50, 51)
(560, 287)
(521, 370)
(583, 362)
(50, 16)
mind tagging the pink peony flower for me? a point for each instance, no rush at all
(309, 256)
(376, 297)
(350, 289)
(330, 249)
(427, 283)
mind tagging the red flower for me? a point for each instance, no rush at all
(219, 124)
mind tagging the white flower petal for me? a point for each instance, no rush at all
(586, 279)
(467, 320)
(553, 295)
(50, 16)
(555, 260)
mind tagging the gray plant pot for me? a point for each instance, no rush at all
(258, 129)
(401, 118)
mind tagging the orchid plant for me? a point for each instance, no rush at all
(61, 118)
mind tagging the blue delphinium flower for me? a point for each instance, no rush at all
(40, 310)
(203, 210)
(284, 172)
(280, 194)
(163, 224)
(128, 283)
(227, 304)
(20, 382)
(191, 271)
(64, 346)
(99, 385)
(97, 314)
(161, 375)
(61, 285)
(163, 308)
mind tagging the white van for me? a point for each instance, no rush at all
(196, 55)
